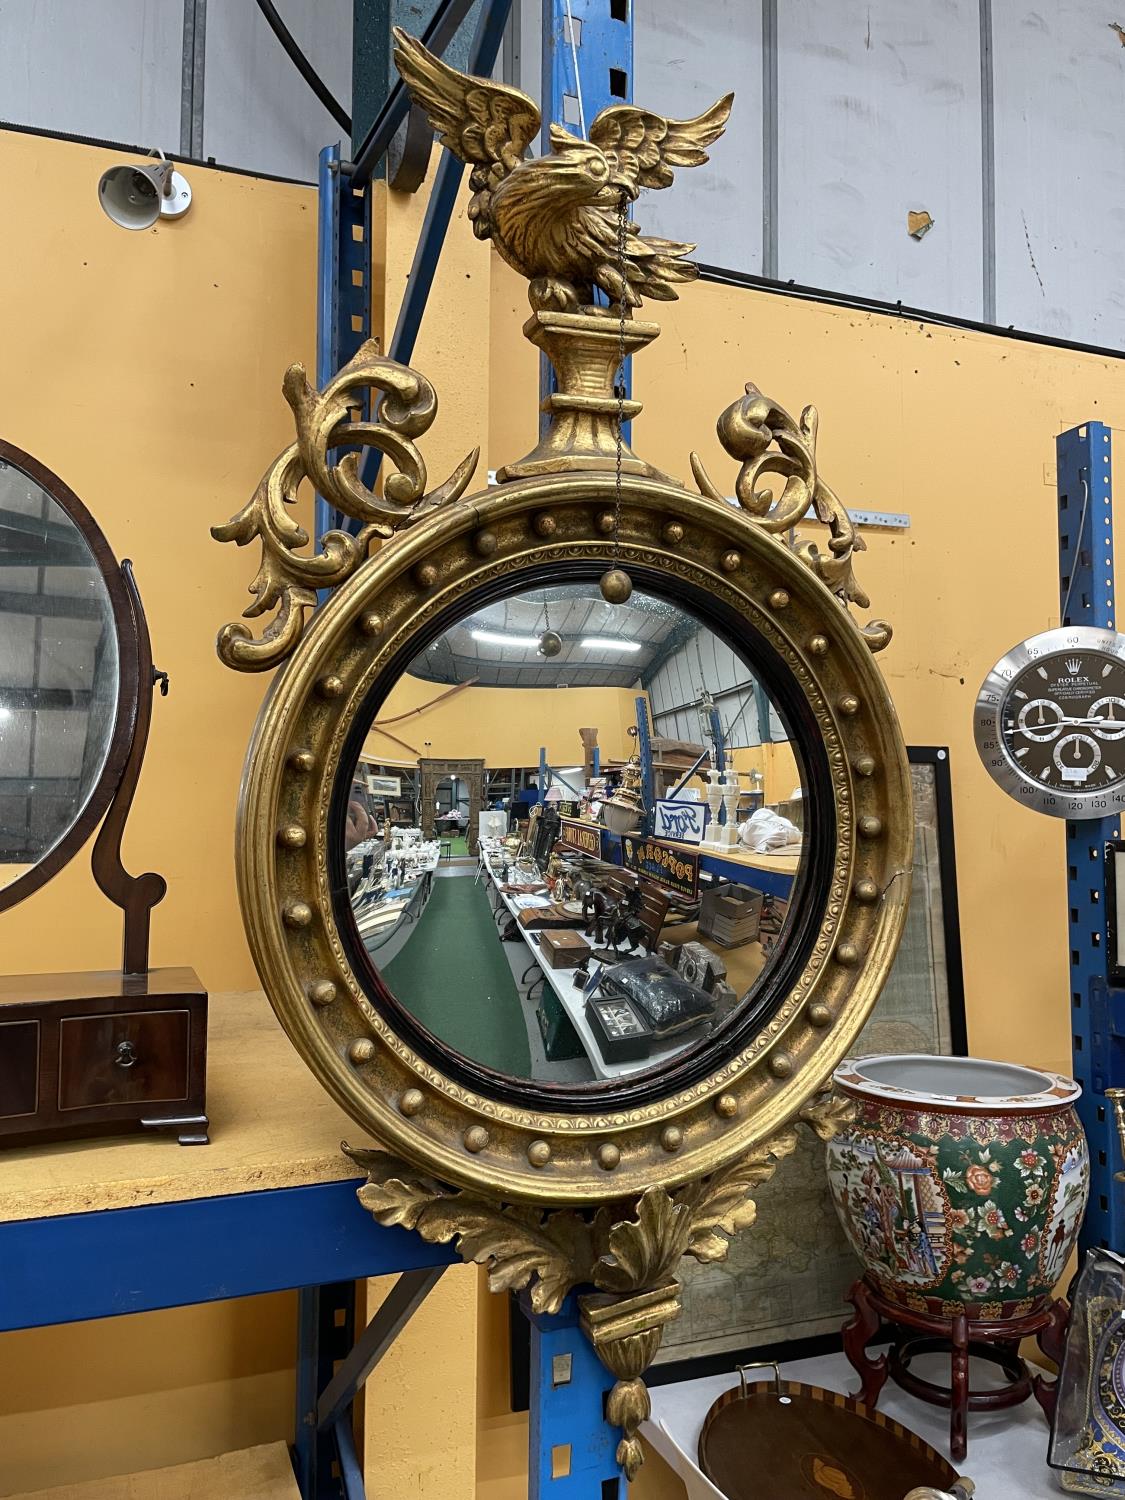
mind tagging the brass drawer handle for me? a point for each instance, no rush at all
(126, 1055)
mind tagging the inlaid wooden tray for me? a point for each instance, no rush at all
(790, 1441)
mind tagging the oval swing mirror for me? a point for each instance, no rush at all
(62, 608)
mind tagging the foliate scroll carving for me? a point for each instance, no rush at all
(287, 579)
(828, 1114)
(767, 442)
(518, 1244)
(622, 1248)
(627, 1251)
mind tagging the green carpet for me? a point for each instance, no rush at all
(453, 976)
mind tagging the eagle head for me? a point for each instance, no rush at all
(584, 167)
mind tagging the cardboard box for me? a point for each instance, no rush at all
(730, 915)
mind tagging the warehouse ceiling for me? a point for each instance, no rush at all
(577, 613)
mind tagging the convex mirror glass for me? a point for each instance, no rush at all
(497, 865)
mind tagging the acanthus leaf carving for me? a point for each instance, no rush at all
(643, 1251)
(767, 442)
(519, 1245)
(724, 1204)
(828, 1114)
(628, 1251)
(404, 406)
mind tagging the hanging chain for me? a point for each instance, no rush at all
(619, 387)
(616, 585)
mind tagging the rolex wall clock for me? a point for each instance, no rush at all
(1050, 722)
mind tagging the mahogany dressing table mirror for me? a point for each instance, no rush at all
(108, 1051)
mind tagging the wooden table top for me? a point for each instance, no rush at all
(272, 1126)
(783, 864)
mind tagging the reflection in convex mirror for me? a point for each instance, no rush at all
(537, 897)
(58, 673)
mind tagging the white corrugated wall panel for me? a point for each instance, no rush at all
(879, 114)
(106, 70)
(259, 113)
(1059, 74)
(684, 58)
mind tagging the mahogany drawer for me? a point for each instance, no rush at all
(102, 1054)
(19, 1068)
(128, 1058)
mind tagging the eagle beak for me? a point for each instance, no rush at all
(627, 186)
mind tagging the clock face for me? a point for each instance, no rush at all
(1050, 722)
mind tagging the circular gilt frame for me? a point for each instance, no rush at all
(473, 1137)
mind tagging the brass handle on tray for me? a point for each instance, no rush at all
(761, 1365)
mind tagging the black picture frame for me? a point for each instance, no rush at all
(1115, 930)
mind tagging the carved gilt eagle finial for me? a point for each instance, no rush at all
(556, 218)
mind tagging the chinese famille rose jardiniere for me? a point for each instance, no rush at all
(961, 1184)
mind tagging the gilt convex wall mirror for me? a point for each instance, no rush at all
(597, 1170)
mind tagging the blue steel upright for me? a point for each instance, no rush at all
(644, 755)
(343, 305)
(1097, 1008)
(572, 1448)
(603, 48)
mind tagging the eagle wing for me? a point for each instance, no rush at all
(486, 124)
(645, 147)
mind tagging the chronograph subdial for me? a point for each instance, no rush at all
(1077, 757)
(1110, 714)
(1041, 719)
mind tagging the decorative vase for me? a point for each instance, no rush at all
(961, 1184)
(714, 802)
(730, 803)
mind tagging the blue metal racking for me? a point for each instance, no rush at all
(587, 66)
(1085, 501)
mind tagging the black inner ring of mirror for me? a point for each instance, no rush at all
(808, 902)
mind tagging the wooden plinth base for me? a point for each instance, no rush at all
(915, 1333)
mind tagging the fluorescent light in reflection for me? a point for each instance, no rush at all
(494, 638)
(601, 643)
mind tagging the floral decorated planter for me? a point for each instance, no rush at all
(961, 1184)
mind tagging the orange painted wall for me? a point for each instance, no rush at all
(146, 370)
(958, 430)
(505, 726)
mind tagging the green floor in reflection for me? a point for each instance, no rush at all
(453, 975)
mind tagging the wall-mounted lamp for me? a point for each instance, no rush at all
(135, 197)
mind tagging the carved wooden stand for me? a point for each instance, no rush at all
(996, 1340)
